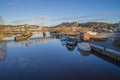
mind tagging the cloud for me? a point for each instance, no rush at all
(79, 18)
(20, 21)
(42, 17)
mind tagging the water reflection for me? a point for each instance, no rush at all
(29, 42)
(70, 47)
(34, 36)
(52, 61)
(115, 62)
(84, 53)
(63, 43)
(2, 51)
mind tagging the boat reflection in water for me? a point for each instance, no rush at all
(84, 53)
(47, 59)
(70, 47)
(63, 43)
(88, 53)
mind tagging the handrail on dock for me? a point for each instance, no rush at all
(106, 49)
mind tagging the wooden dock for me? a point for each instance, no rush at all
(114, 54)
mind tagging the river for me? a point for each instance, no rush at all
(47, 59)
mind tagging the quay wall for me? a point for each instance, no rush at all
(105, 51)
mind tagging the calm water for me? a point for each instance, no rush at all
(48, 59)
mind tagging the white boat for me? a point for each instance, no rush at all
(84, 46)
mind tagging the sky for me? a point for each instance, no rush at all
(52, 12)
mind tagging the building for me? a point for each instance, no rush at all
(117, 29)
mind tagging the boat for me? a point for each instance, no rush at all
(84, 46)
(71, 41)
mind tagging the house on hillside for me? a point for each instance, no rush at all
(117, 29)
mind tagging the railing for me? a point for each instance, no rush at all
(106, 51)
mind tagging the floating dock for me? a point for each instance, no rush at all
(111, 53)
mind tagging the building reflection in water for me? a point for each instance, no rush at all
(3, 45)
(34, 39)
(29, 42)
(2, 51)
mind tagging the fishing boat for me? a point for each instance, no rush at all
(84, 46)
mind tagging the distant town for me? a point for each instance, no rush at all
(63, 28)
(92, 28)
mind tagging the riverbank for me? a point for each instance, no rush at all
(22, 37)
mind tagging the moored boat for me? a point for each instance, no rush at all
(84, 46)
(71, 41)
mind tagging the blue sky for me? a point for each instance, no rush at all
(57, 11)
